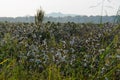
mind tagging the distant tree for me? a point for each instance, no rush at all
(39, 16)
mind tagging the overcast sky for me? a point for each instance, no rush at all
(13, 8)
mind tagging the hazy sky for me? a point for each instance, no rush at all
(13, 8)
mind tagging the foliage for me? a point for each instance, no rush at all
(63, 51)
(39, 16)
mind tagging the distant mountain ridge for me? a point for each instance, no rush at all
(59, 14)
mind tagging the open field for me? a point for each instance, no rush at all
(59, 51)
